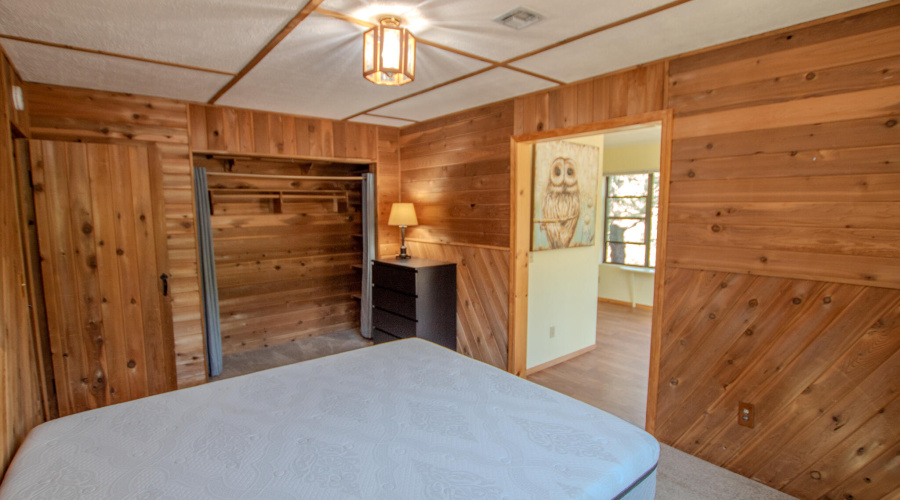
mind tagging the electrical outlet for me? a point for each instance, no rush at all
(746, 415)
(552, 332)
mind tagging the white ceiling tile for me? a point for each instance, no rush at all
(494, 85)
(381, 120)
(694, 25)
(317, 71)
(39, 63)
(469, 25)
(214, 34)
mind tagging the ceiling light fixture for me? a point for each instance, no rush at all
(389, 53)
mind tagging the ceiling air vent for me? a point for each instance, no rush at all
(519, 18)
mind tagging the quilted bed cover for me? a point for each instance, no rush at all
(405, 419)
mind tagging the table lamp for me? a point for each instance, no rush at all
(403, 215)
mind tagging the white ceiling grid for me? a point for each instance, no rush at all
(214, 34)
(317, 69)
(690, 26)
(468, 25)
(39, 63)
(491, 86)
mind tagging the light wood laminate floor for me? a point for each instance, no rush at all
(612, 377)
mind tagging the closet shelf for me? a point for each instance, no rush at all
(280, 196)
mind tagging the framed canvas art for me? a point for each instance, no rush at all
(565, 195)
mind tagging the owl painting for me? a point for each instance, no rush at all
(565, 191)
(561, 206)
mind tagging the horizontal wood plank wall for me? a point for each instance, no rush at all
(482, 312)
(387, 189)
(21, 406)
(233, 130)
(783, 266)
(455, 169)
(285, 274)
(69, 114)
(625, 93)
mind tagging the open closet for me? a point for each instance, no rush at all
(288, 238)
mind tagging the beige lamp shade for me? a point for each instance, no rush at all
(403, 214)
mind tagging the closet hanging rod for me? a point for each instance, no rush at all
(289, 177)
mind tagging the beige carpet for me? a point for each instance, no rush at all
(685, 477)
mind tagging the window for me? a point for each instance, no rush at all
(630, 236)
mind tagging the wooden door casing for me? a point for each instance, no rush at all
(101, 234)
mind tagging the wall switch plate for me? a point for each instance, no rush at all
(746, 415)
(18, 98)
(552, 332)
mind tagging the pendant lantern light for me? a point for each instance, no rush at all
(389, 54)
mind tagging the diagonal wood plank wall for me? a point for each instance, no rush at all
(782, 232)
(482, 313)
(783, 266)
(455, 169)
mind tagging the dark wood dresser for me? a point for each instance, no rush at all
(414, 298)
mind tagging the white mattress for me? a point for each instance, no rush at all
(406, 419)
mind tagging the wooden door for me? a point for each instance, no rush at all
(101, 233)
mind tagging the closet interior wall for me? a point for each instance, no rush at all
(287, 250)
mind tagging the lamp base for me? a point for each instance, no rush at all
(403, 255)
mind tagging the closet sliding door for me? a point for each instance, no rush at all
(101, 234)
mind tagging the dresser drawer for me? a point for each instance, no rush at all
(395, 302)
(394, 278)
(380, 337)
(394, 324)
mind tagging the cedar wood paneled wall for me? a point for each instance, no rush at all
(782, 272)
(21, 406)
(232, 130)
(387, 189)
(68, 114)
(783, 263)
(285, 270)
(456, 171)
(288, 275)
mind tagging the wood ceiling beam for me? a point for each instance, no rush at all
(281, 35)
(113, 54)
